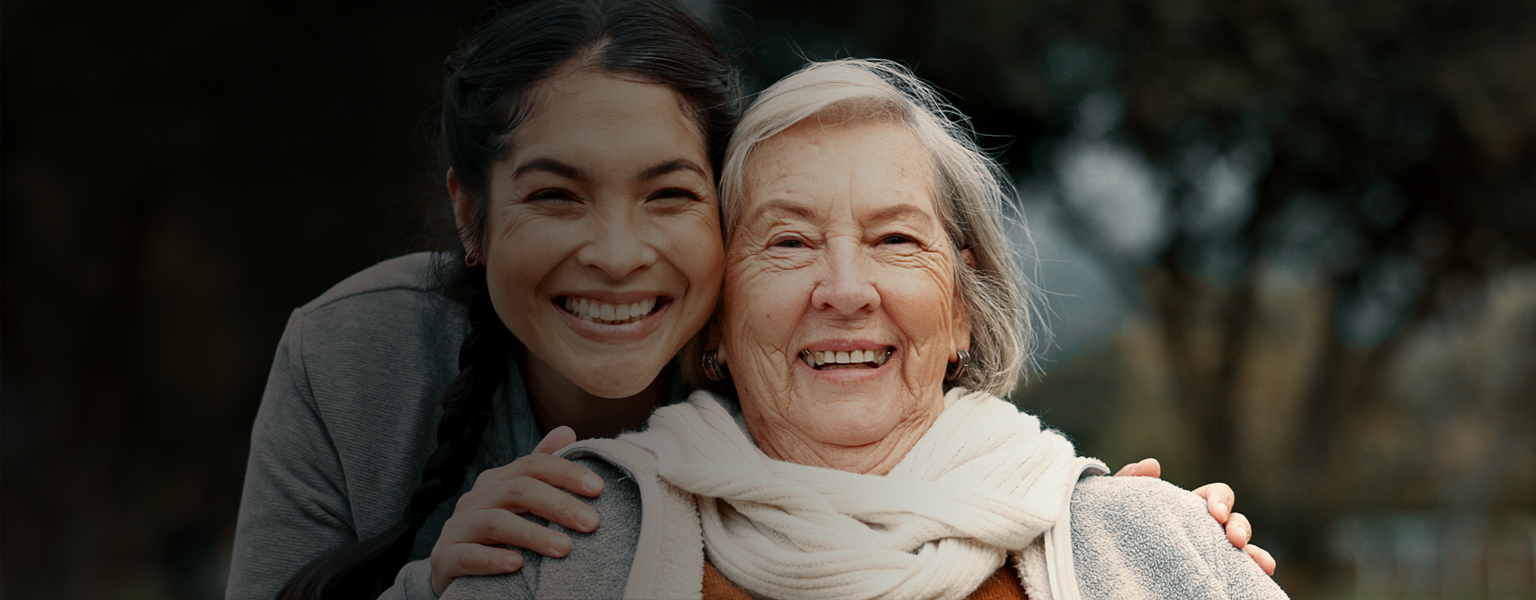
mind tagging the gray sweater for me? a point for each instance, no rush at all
(1132, 537)
(347, 421)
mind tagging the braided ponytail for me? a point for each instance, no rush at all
(484, 100)
(365, 570)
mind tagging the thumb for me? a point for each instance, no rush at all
(556, 439)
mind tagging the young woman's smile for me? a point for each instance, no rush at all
(602, 245)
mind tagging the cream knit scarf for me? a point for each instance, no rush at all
(984, 480)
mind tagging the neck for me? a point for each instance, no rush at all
(788, 444)
(555, 401)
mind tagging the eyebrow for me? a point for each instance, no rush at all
(556, 167)
(787, 207)
(899, 211)
(561, 169)
(681, 164)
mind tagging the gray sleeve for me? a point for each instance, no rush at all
(1139, 537)
(294, 507)
(414, 582)
(598, 565)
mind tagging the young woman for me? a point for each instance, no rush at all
(399, 435)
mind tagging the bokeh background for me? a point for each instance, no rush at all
(1286, 244)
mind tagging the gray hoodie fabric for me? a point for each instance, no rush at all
(1131, 537)
(347, 421)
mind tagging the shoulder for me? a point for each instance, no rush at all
(415, 272)
(1134, 497)
(368, 360)
(599, 562)
(610, 548)
(388, 321)
(1144, 537)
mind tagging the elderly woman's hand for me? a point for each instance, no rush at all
(1219, 499)
(487, 515)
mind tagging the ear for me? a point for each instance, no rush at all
(961, 325)
(463, 213)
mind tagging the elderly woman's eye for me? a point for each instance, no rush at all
(896, 239)
(789, 243)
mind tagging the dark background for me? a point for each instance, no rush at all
(1292, 246)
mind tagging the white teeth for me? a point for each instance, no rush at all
(817, 358)
(592, 310)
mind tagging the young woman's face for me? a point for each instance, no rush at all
(602, 245)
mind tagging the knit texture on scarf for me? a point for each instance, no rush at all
(984, 480)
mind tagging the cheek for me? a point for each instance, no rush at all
(520, 252)
(921, 303)
(758, 299)
(694, 246)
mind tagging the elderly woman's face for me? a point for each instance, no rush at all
(840, 306)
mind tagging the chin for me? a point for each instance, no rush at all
(608, 381)
(853, 422)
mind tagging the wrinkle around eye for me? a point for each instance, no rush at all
(917, 258)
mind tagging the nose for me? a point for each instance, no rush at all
(617, 245)
(845, 286)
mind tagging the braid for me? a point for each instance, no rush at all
(466, 407)
(364, 570)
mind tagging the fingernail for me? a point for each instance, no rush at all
(513, 562)
(587, 518)
(559, 545)
(593, 483)
(1246, 534)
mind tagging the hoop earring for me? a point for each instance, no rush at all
(712, 368)
(471, 261)
(957, 370)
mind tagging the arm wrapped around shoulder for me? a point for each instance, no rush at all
(1136, 537)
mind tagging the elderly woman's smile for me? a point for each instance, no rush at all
(841, 306)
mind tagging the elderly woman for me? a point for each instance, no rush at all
(871, 315)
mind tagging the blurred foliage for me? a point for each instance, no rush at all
(1330, 272)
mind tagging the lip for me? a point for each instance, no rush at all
(626, 333)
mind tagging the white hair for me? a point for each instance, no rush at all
(971, 190)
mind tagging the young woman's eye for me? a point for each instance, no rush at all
(678, 193)
(551, 194)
